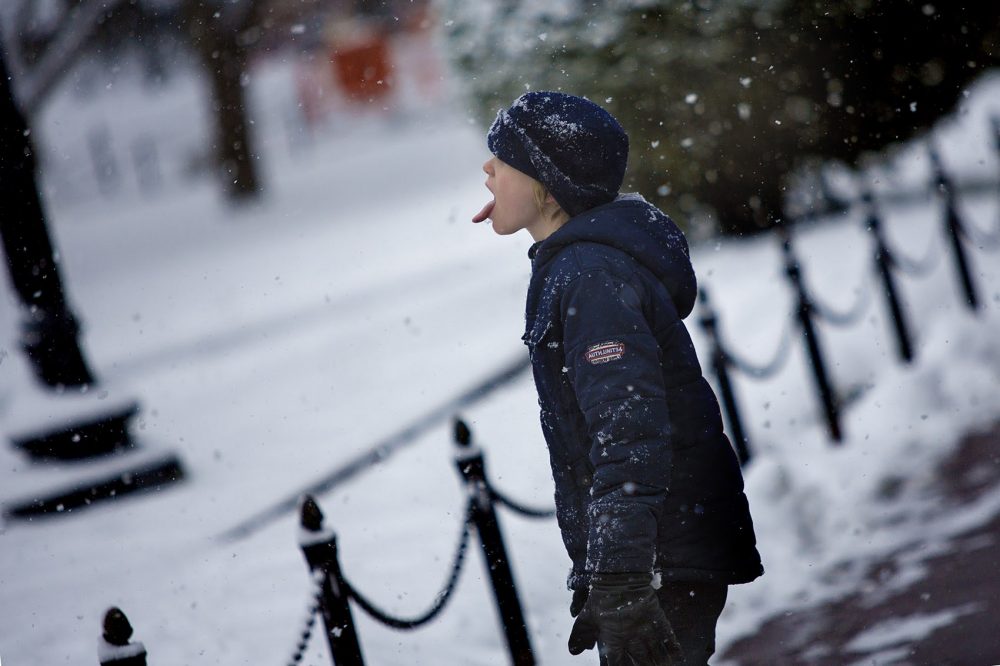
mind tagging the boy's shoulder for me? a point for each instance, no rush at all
(586, 257)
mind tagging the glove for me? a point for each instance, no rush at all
(580, 596)
(622, 613)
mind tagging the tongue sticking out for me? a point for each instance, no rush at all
(485, 212)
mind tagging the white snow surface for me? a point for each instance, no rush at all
(900, 630)
(270, 343)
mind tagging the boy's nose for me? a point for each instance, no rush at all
(488, 167)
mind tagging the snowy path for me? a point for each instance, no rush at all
(269, 345)
(934, 601)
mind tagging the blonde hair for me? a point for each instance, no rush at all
(549, 210)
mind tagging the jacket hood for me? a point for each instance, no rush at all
(634, 226)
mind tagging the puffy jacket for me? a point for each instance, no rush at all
(645, 479)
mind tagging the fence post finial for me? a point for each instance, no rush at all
(804, 313)
(319, 546)
(720, 365)
(463, 436)
(114, 647)
(883, 265)
(953, 228)
(471, 466)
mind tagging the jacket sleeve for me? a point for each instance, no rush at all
(613, 360)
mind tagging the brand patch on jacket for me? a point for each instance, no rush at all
(604, 352)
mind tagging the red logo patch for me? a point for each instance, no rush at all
(604, 352)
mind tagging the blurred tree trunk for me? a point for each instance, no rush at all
(46, 57)
(221, 34)
(49, 331)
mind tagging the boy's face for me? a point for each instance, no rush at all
(513, 207)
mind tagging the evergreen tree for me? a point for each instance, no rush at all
(725, 99)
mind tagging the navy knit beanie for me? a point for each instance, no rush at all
(569, 144)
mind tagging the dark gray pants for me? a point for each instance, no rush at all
(693, 610)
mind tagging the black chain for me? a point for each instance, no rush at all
(517, 507)
(440, 601)
(912, 267)
(849, 318)
(310, 622)
(981, 239)
(767, 369)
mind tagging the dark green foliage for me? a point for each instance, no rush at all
(724, 100)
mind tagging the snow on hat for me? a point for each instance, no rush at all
(571, 145)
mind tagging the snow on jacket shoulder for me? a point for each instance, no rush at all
(645, 479)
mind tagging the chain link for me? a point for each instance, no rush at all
(440, 601)
(981, 239)
(913, 267)
(310, 621)
(517, 507)
(768, 369)
(849, 318)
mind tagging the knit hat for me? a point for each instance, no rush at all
(571, 145)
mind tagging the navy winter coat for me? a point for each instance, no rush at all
(645, 478)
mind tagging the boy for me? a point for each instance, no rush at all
(649, 494)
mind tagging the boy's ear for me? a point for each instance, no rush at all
(549, 199)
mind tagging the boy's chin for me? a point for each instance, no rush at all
(501, 230)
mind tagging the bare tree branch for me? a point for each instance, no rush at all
(80, 26)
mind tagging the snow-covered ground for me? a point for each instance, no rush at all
(270, 344)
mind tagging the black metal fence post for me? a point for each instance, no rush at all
(114, 647)
(471, 465)
(319, 545)
(720, 365)
(953, 225)
(804, 312)
(883, 262)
